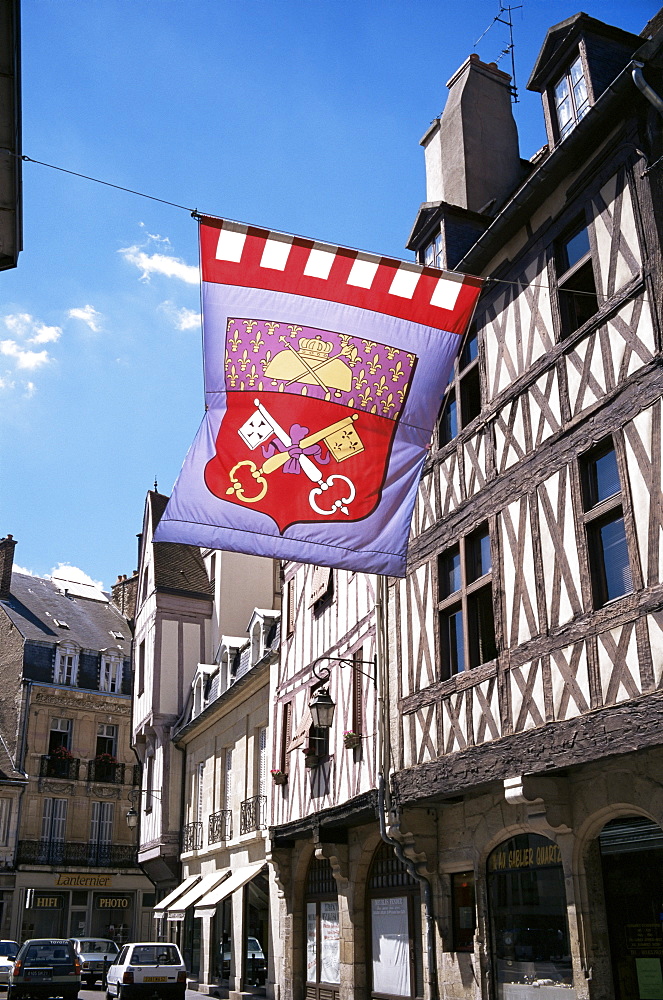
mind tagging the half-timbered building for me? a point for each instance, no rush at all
(516, 849)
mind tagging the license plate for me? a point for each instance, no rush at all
(155, 979)
(38, 973)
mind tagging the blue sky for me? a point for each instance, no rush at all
(292, 114)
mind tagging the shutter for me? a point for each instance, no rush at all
(321, 583)
(229, 778)
(199, 805)
(59, 820)
(46, 816)
(94, 823)
(5, 812)
(106, 822)
(262, 761)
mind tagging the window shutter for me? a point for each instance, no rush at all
(262, 761)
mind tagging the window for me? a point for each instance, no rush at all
(462, 402)
(322, 588)
(262, 761)
(54, 820)
(228, 786)
(110, 676)
(149, 781)
(106, 740)
(66, 665)
(604, 524)
(141, 667)
(357, 692)
(575, 278)
(200, 783)
(433, 253)
(571, 98)
(286, 736)
(465, 603)
(462, 911)
(322, 945)
(59, 735)
(101, 833)
(5, 814)
(290, 606)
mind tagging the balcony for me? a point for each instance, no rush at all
(253, 813)
(220, 826)
(192, 837)
(45, 852)
(55, 766)
(107, 771)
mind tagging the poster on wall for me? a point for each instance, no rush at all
(391, 946)
(330, 943)
(311, 942)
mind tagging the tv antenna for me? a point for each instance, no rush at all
(504, 17)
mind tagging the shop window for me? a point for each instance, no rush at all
(604, 524)
(394, 906)
(463, 911)
(465, 603)
(323, 956)
(462, 402)
(571, 98)
(575, 278)
(528, 917)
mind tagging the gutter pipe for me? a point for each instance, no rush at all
(643, 86)
(383, 757)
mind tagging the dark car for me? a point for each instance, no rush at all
(45, 967)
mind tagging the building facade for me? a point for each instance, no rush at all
(70, 867)
(507, 841)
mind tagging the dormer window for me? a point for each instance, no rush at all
(571, 98)
(433, 253)
(110, 675)
(66, 665)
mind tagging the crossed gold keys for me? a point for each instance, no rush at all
(342, 441)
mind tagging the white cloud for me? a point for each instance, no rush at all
(22, 569)
(88, 315)
(154, 236)
(30, 330)
(159, 263)
(23, 358)
(30, 390)
(183, 319)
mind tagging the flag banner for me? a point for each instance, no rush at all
(324, 373)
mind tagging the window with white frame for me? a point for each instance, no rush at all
(110, 677)
(106, 739)
(433, 253)
(66, 665)
(571, 98)
(149, 781)
(262, 761)
(199, 798)
(59, 735)
(101, 832)
(228, 789)
(54, 820)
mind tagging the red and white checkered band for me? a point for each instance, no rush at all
(233, 254)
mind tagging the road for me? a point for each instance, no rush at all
(98, 994)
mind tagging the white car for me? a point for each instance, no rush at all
(8, 953)
(147, 969)
(95, 955)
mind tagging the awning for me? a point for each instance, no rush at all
(207, 904)
(183, 887)
(207, 882)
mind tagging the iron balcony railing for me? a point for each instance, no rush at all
(192, 837)
(220, 826)
(56, 852)
(52, 766)
(102, 770)
(253, 814)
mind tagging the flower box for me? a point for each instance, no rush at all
(351, 740)
(311, 759)
(279, 777)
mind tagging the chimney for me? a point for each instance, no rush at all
(471, 151)
(7, 546)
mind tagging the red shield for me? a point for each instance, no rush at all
(299, 458)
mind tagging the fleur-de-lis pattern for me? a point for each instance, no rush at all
(376, 377)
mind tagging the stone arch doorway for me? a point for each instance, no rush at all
(393, 904)
(527, 911)
(631, 852)
(323, 952)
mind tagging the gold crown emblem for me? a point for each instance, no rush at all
(316, 349)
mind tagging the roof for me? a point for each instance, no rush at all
(36, 605)
(562, 36)
(7, 770)
(176, 566)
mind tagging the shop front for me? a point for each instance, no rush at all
(530, 945)
(80, 905)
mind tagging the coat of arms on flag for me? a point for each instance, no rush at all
(324, 371)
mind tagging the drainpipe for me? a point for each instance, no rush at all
(643, 86)
(383, 757)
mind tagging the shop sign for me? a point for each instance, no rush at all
(112, 902)
(85, 881)
(44, 901)
(539, 856)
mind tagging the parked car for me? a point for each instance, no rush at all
(147, 969)
(95, 955)
(45, 967)
(256, 964)
(8, 952)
